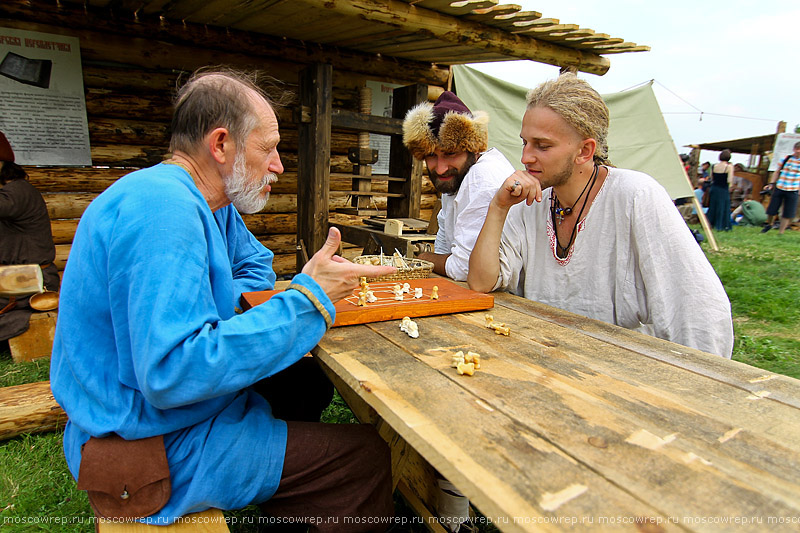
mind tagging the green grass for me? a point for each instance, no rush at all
(760, 272)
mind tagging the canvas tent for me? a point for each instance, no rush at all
(638, 137)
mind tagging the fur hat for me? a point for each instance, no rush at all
(447, 125)
(6, 153)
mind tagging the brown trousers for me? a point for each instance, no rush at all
(336, 477)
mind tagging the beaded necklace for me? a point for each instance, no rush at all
(558, 212)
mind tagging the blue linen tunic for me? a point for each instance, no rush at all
(148, 341)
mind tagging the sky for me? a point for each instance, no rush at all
(731, 60)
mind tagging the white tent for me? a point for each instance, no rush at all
(637, 138)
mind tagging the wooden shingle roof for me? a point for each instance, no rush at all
(433, 31)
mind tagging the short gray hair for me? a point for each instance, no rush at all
(574, 100)
(213, 99)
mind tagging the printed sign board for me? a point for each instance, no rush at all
(42, 104)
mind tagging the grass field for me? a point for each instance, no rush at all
(760, 272)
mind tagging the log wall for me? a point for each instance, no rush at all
(130, 71)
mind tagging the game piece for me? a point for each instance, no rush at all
(410, 327)
(498, 327)
(458, 358)
(418, 292)
(465, 368)
(371, 298)
(435, 293)
(501, 329)
(362, 300)
(406, 288)
(474, 358)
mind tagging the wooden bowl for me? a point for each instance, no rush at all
(44, 301)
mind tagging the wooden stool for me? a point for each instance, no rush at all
(210, 521)
(37, 341)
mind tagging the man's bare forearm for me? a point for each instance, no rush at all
(484, 262)
(438, 261)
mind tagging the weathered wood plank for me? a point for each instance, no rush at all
(351, 120)
(63, 230)
(67, 205)
(748, 378)
(29, 408)
(577, 403)
(74, 179)
(515, 483)
(96, 180)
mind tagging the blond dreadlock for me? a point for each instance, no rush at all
(576, 102)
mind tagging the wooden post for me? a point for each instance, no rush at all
(401, 163)
(314, 158)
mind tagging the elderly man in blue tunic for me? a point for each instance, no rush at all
(151, 348)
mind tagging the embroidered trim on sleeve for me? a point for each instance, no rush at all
(314, 300)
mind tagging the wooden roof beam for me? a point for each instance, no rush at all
(465, 33)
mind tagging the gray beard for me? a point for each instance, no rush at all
(243, 190)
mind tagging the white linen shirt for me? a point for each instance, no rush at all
(462, 214)
(634, 263)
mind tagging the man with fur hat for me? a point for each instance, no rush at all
(25, 237)
(453, 143)
(599, 241)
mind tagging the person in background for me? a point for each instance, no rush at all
(150, 347)
(704, 172)
(602, 242)
(453, 143)
(719, 208)
(749, 213)
(784, 186)
(743, 186)
(25, 237)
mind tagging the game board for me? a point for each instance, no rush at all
(452, 299)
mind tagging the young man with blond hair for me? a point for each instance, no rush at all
(576, 233)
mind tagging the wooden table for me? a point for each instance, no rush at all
(573, 424)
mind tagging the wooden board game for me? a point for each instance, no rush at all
(452, 299)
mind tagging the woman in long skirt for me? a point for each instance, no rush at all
(719, 205)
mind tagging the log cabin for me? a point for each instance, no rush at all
(134, 53)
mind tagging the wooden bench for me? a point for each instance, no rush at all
(210, 521)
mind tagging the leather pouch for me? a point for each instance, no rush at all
(125, 478)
